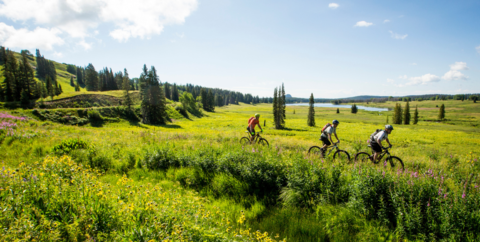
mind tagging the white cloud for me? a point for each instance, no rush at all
(386, 21)
(333, 5)
(403, 77)
(362, 24)
(23, 38)
(58, 54)
(390, 80)
(478, 49)
(459, 66)
(414, 64)
(397, 36)
(454, 74)
(80, 18)
(425, 79)
(84, 44)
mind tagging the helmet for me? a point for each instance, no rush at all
(388, 126)
(257, 115)
(335, 122)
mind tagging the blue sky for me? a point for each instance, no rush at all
(331, 48)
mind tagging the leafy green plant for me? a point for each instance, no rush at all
(68, 145)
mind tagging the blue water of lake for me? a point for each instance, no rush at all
(329, 105)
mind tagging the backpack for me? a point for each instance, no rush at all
(373, 135)
(250, 119)
(325, 127)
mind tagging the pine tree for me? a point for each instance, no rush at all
(338, 110)
(311, 112)
(415, 115)
(24, 98)
(26, 76)
(283, 104)
(3, 55)
(57, 89)
(80, 76)
(10, 71)
(40, 64)
(175, 93)
(397, 114)
(1, 93)
(406, 114)
(354, 108)
(71, 81)
(127, 100)
(49, 86)
(275, 109)
(153, 103)
(441, 113)
(168, 92)
(91, 78)
(211, 100)
(77, 87)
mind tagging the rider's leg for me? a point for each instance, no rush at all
(375, 155)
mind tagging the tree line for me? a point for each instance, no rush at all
(19, 82)
(279, 107)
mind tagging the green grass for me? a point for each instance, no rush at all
(204, 155)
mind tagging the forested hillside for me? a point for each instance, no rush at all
(41, 78)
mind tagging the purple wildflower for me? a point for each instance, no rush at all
(253, 150)
(463, 195)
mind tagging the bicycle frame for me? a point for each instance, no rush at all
(334, 146)
(257, 137)
(384, 152)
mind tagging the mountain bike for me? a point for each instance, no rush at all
(339, 154)
(258, 139)
(394, 161)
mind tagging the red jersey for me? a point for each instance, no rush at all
(252, 122)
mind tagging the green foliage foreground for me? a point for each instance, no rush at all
(280, 190)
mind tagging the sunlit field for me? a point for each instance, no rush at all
(120, 180)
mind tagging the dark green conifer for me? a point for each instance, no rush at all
(311, 112)
(91, 78)
(415, 115)
(441, 113)
(406, 114)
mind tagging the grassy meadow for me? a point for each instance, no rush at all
(191, 180)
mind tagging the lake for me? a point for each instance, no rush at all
(329, 105)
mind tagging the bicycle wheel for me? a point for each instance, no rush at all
(263, 142)
(245, 141)
(362, 157)
(396, 163)
(341, 155)
(315, 150)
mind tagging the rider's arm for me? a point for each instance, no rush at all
(260, 126)
(338, 140)
(330, 138)
(388, 141)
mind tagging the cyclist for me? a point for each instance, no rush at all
(376, 142)
(326, 136)
(252, 122)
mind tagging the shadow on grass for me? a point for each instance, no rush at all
(290, 129)
(98, 123)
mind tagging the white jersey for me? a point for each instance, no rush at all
(329, 130)
(381, 136)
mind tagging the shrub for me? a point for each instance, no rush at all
(66, 146)
(94, 115)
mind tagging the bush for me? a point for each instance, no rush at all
(68, 145)
(94, 115)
